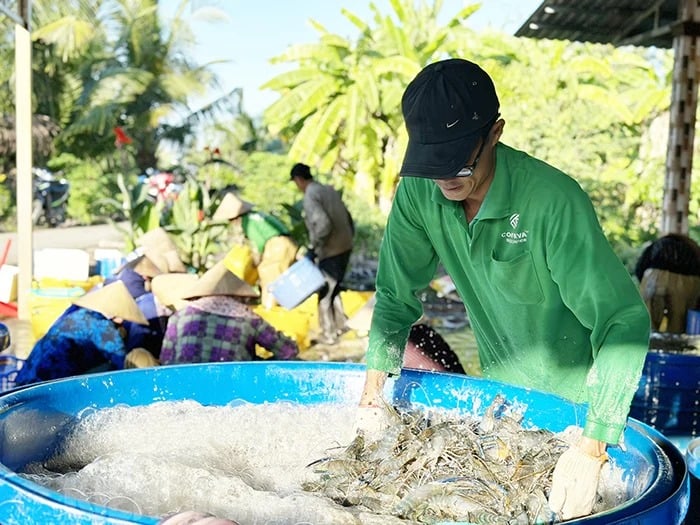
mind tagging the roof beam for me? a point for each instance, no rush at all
(637, 20)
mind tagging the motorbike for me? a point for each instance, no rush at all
(50, 198)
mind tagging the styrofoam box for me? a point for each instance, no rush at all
(8, 283)
(62, 263)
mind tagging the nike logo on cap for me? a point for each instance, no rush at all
(450, 125)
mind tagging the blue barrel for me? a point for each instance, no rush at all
(692, 456)
(33, 421)
(668, 395)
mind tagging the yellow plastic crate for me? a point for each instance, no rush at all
(47, 304)
(53, 283)
(292, 323)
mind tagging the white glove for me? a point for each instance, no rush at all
(575, 483)
(371, 422)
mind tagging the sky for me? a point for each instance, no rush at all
(257, 30)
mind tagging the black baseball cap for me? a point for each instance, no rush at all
(447, 108)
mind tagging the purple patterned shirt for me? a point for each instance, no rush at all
(219, 328)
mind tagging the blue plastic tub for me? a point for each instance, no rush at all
(668, 396)
(34, 419)
(692, 456)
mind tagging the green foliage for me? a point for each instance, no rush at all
(138, 210)
(341, 106)
(7, 199)
(88, 179)
(296, 224)
(369, 228)
(265, 183)
(198, 238)
(262, 178)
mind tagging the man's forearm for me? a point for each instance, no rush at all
(372, 392)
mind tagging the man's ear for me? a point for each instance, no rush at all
(497, 131)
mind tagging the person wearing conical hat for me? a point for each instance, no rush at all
(159, 247)
(216, 324)
(169, 287)
(136, 274)
(275, 250)
(89, 336)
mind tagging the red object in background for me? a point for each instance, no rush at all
(122, 138)
(5, 251)
(162, 186)
(7, 309)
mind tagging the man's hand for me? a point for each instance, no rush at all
(575, 479)
(371, 421)
(372, 416)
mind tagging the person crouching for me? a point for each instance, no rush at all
(88, 337)
(217, 324)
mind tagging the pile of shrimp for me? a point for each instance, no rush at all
(430, 467)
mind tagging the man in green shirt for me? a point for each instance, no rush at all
(551, 305)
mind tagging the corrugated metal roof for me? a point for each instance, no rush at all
(618, 22)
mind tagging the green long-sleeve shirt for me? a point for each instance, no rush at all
(551, 305)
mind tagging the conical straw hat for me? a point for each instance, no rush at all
(231, 207)
(143, 266)
(168, 288)
(219, 281)
(162, 251)
(113, 300)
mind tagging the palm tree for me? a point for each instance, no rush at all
(129, 71)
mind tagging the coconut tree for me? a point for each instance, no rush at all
(129, 71)
(341, 104)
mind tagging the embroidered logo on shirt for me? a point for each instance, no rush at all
(514, 219)
(449, 125)
(514, 237)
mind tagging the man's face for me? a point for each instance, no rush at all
(480, 165)
(459, 188)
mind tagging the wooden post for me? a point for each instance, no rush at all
(684, 98)
(25, 182)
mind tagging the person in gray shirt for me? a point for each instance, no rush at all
(331, 231)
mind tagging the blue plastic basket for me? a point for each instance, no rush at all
(9, 366)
